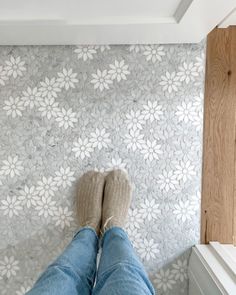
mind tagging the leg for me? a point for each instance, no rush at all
(120, 272)
(74, 271)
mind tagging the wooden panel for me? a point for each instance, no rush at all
(233, 94)
(218, 182)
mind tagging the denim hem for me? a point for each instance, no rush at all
(107, 232)
(87, 228)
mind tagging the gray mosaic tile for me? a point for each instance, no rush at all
(67, 109)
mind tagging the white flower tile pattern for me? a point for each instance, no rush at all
(67, 109)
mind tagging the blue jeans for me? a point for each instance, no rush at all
(74, 271)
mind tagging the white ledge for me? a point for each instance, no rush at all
(212, 269)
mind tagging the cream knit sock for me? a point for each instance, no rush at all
(117, 198)
(89, 199)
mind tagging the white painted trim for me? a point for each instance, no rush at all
(212, 269)
(229, 20)
(191, 27)
(92, 22)
(199, 273)
(226, 256)
(194, 285)
(181, 10)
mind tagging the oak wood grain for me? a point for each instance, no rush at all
(233, 94)
(219, 152)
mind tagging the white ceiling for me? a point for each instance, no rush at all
(109, 21)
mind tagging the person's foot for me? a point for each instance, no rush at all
(116, 201)
(89, 199)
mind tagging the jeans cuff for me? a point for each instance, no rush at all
(111, 229)
(85, 228)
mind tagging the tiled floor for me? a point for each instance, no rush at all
(65, 110)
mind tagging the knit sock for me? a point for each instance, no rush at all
(89, 199)
(117, 198)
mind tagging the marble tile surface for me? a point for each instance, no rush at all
(68, 109)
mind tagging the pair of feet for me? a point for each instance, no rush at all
(103, 200)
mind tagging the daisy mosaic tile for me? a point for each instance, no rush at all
(67, 109)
